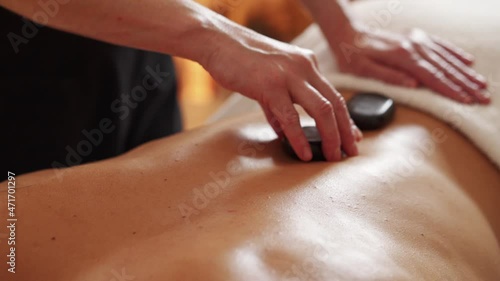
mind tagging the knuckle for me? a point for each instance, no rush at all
(311, 56)
(341, 101)
(325, 108)
(275, 80)
(449, 57)
(404, 50)
(306, 59)
(427, 70)
(453, 72)
(439, 75)
(288, 117)
(289, 122)
(308, 53)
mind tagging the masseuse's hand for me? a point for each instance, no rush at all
(275, 74)
(410, 60)
(278, 75)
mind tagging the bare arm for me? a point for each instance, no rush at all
(333, 16)
(275, 74)
(176, 27)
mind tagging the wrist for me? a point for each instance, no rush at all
(193, 41)
(345, 33)
(212, 36)
(336, 20)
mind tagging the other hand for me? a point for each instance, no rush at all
(410, 60)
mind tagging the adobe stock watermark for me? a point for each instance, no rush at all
(48, 9)
(425, 148)
(121, 275)
(221, 180)
(309, 268)
(379, 19)
(383, 18)
(122, 106)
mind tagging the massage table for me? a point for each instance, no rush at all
(225, 202)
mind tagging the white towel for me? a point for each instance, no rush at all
(473, 25)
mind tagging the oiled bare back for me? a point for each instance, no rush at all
(226, 203)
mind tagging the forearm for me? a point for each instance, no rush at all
(177, 27)
(334, 19)
(274, 73)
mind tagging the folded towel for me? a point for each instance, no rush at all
(473, 25)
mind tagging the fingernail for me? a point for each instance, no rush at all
(355, 150)
(359, 134)
(481, 78)
(307, 156)
(338, 154)
(486, 94)
(483, 97)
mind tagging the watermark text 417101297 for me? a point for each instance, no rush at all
(11, 221)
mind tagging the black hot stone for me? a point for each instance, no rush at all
(314, 139)
(371, 111)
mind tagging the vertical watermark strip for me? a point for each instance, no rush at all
(11, 221)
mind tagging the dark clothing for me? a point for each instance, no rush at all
(67, 100)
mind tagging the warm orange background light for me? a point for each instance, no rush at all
(199, 95)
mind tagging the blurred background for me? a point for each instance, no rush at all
(283, 20)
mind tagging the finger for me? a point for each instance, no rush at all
(322, 111)
(282, 108)
(470, 73)
(357, 132)
(462, 55)
(273, 121)
(320, 83)
(435, 79)
(453, 74)
(387, 74)
(349, 133)
(313, 58)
